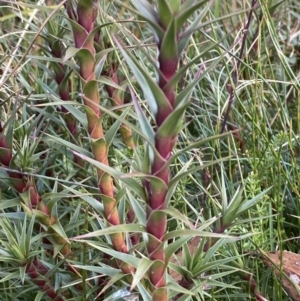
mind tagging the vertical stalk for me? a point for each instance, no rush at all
(37, 272)
(64, 86)
(167, 20)
(82, 21)
(118, 100)
(164, 144)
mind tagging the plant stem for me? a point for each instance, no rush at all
(83, 25)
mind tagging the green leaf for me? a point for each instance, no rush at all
(87, 63)
(110, 134)
(144, 123)
(130, 259)
(57, 227)
(187, 10)
(223, 191)
(132, 184)
(152, 92)
(202, 267)
(248, 204)
(64, 85)
(79, 116)
(115, 278)
(107, 81)
(174, 213)
(230, 213)
(112, 230)
(5, 204)
(70, 52)
(184, 38)
(173, 286)
(109, 271)
(99, 66)
(169, 44)
(195, 169)
(144, 293)
(199, 142)
(173, 123)
(137, 208)
(165, 13)
(141, 271)
(175, 6)
(14, 276)
(191, 233)
(147, 12)
(67, 144)
(130, 125)
(186, 93)
(103, 53)
(172, 186)
(59, 71)
(171, 249)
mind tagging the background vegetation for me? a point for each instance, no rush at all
(108, 192)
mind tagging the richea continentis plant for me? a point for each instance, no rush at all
(133, 244)
(82, 18)
(171, 31)
(167, 20)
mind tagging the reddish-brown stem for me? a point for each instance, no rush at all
(37, 272)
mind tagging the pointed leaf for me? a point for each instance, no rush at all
(137, 209)
(68, 144)
(248, 204)
(130, 259)
(112, 230)
(195, 169)
(141, 271)
(98, 206)
(193, 27)
(186, 93)
(147, 12)
(71, 52)
(186, 12)
(110, 134)
(78, 115)
(80, 34)
(57, 227)
(144, 123)
(174, 213)
(87, 63)
(99, 66)
(171, 249)
(132, 184)
(190, 233)
(173, 286)
(152, 92)
(168, 48)
(173, 123)
(165, 13)
(108, 82)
